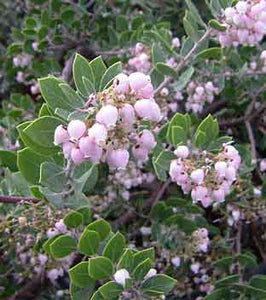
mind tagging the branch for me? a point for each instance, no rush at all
(252, 142)
(184, 60)
(17, 199)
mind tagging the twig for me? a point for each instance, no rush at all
(66, 73)
(17, 199)
(184, 60)
(252, 142)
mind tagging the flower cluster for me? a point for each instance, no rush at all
(207, 176)
(201, 240)
(198, 95)
(141, 60)
(246, 23)
(22, 60)
(111, 126)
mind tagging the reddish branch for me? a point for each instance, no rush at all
(17, 199)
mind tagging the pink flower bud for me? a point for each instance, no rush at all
(230, 151)
(218, 195)
(76, 129)
(175, 169)
(67, 148)
(107, 116)
(197, 176)
(60, 226)
(98, 132)
(148, 109)
(199, 193)
(200, 90)
(121, 83)
(146, 92)
(121, 276)
(241, 7)
(263, 165)
(127, 114)
(152, 272)
(220, 168)
(140, 153)
(77, 156)
(182, 151)
(60, 135)
(90, 149)
(230, 173)
(146, 139)
(118, 159)
(176, 42)
(138, 81)
(139, 48)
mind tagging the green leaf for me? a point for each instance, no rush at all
(228, 280)
(157, 54)
(192, 8)
(142, 269)
(100, 267)
(47, 244)
(98, 68)
(184, 78)
(211, 53)
(247, 260)
(184, 224)
(222, 293)
(62, 246)
(191, 31)
(73, 219)
(258, 281)
(110, 74)
(156, 77)
(52, 176)
(111, 290)
(53, 94)
(159, 172)
(200, 139)
(89, 242)
(29, 164)
(209, 127)
(78, 293)
(121, 23)
(8, 159)
(114, 247)
(178, 129)
(223, 263)
(164, 159)
(79, 275)
(165, 69)
(81, 70)
(97, 296)
(142, 255)
(216, 25)
(73, 98)
(126, 261)
(158, 284)
(101, 226)
(40, 135)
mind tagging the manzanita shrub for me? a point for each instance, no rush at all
(133, 150)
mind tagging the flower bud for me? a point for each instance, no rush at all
(138, 81)
(182, 151)
(120, 276)
(127, 114)
(76, 129)
(176, 261)
(263, 165)
(146, 92)
(121, 83)
(67, 148)
(107, 116)
(140, 153)
(197, 176)
(60, 226)
(230, 173)
(60, 135)
(77, 156)
(148, 109)
(176, 42)
(98, 133)
(220, 168)
(146, 139)
(218, 195)
(118, 159)
(152, 272)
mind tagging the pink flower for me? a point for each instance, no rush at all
(107, 116)
(199, 193)
(263, 165)
(127, 114)
(67, 148)
(218, 195)
(140, 153)
(118, 159)
(77, 156)
(176, 42)
(138, 81)
(182, 151)
(76, 129)
(98, 133)
(60, 135)
(90, 149)
(146, 139)
(220, 168)
(148, 109)
(197, 176)
(121, 83)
